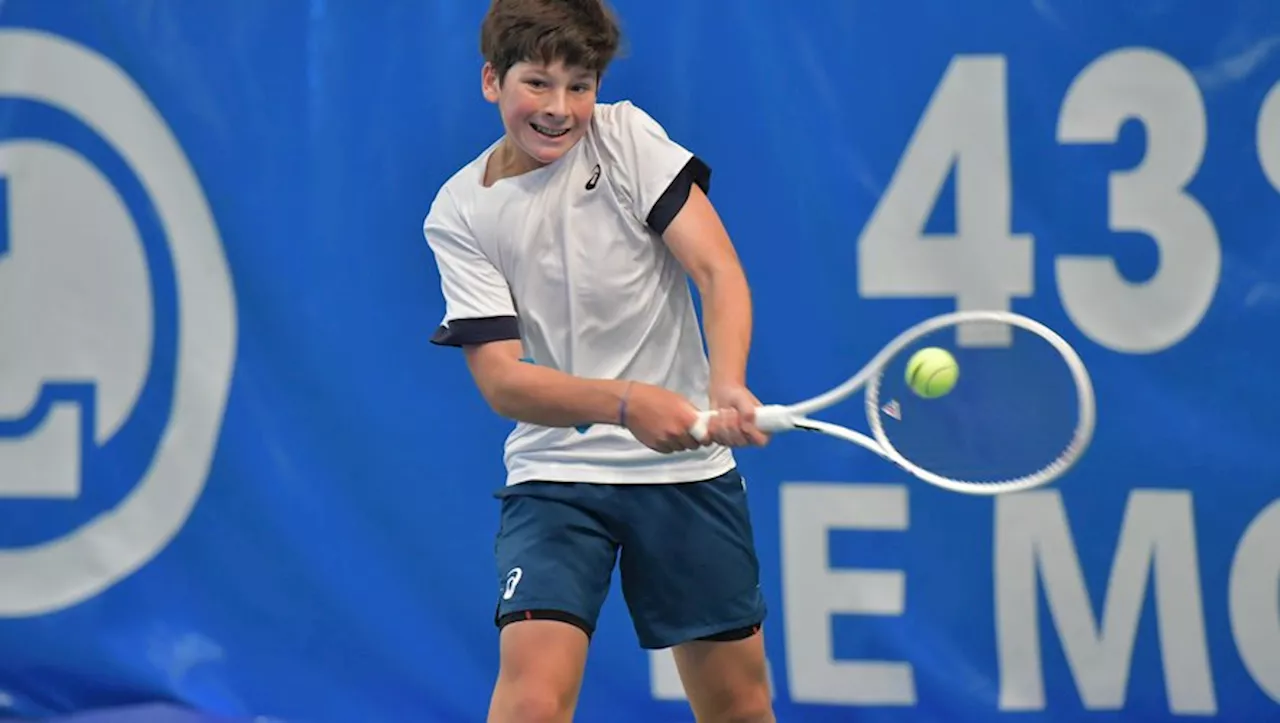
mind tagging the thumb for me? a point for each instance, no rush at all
(745, 405)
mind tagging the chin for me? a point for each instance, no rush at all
(547, 156)
(546, 153)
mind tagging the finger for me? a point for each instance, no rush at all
(662, 446)
(738, 432)
(681, 442)
(729, 433)
(754, 435)
(716, 429)
(735, 438)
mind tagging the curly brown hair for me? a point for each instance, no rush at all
(579, 33)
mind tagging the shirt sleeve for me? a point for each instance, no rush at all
(478, 303)
(653, 173)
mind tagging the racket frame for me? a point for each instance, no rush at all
(774, 418)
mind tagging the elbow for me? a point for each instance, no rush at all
(498, 396)
(503, 406)
(724, 277)
(496, 372)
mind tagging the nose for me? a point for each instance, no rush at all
(557, 104)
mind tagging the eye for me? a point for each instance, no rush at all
(536, 83)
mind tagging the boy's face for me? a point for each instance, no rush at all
(545, 108)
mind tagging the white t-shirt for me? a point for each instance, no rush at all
(569, 259)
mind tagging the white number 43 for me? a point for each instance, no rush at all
(985, 265)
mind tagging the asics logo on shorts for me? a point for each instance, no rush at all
(513, 579)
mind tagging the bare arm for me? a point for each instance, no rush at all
(700, 242)
(539, 395)
(659, 419)
(698, 239)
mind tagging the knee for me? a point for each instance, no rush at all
(528, 702)
(755, 707)
(533, 695)
(745, 704)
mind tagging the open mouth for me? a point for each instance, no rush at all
(549, 132)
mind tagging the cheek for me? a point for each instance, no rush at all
(519, 110)
(582, 112)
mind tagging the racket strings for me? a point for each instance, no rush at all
(1019, 415)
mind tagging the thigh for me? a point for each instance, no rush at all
(540, 676)
(689, 566)
(554, 556)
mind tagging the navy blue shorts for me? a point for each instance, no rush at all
(686, 554)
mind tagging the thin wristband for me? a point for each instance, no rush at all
(622, 405)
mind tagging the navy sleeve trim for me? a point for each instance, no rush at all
(673, 199)
(464, 332)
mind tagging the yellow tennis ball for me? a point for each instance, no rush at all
(932, 372)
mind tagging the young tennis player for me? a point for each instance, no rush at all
(563, 251)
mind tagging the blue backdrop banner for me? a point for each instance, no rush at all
(235, 475)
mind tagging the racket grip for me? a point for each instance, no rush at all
(769, 418)
(774, 418)
(699, 429)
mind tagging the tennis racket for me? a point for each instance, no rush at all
(1022, 411)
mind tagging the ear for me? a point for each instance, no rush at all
(490, 84)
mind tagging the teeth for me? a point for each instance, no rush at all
(548, 132)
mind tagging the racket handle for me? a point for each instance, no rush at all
(699, 429)
(774, 418)
(769, 418)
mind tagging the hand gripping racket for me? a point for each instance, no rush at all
(1022, 411)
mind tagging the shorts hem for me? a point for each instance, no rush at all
(546, 614)
(534, 605)
(702, 632)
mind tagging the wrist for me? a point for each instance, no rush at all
(721, 383)
(622, 403)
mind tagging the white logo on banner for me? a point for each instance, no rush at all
(76, 308)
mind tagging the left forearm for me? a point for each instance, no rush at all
(726, 310)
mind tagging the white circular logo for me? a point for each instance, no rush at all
(76, 307)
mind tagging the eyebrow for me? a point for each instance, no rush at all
(576, 75)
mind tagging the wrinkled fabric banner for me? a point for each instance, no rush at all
(236, 477)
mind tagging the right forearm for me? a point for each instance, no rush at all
(550, 398)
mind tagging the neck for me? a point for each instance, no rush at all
(508, 160)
